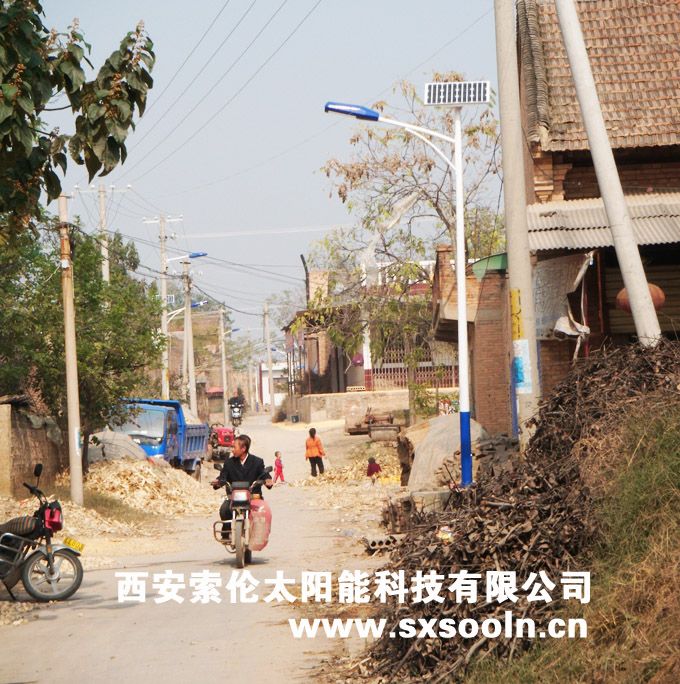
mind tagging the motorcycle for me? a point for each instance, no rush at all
(49, 572)
(236, 415)
(251, 521)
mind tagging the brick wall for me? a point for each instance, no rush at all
(24, 441)
(580, 181)
(555, 362)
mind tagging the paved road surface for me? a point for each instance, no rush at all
(93, 638)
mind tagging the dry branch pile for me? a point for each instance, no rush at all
(535, 517)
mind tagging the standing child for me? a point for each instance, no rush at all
(278, 468)
(373, 469)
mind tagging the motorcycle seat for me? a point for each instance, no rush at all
(22, 527)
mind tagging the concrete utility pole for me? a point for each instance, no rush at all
(103, 235)
(189, 338)
(223, 356)
(625, 244)
(270, 371)
(524, 347)
(165, 366)
(72, 399)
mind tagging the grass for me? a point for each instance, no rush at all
(634, 615)
(108, 506)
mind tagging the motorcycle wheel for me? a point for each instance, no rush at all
(68, 574)
(237, 531)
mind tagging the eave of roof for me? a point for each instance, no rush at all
(583, 224)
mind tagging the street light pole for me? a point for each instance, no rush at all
(366, 114)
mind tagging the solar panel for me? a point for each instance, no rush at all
(458, 93)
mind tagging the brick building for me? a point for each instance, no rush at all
(632, 46)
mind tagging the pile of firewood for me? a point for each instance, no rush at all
(536, 516)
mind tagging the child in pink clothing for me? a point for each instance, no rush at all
(278, 467)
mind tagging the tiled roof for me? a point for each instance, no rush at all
(634, 53)
(582, 224)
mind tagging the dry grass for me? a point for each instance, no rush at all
(634, 616)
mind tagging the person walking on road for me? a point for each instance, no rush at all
(314, 452)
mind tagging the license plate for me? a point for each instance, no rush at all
(74, 544)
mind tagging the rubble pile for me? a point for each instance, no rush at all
(148, 487)
(535, 517)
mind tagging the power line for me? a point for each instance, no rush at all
(309, 138)
(234, 96)
(191, 83)
(213, 87)
(231, 308)
(186, 59)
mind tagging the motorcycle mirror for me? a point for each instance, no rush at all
(37, 471)
(217, 466)
(268, 469)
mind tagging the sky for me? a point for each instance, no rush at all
(235, 134)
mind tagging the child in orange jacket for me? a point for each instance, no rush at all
(314, 452)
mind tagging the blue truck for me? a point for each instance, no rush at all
(165, 429)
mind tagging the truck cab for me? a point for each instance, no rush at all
(165, 429)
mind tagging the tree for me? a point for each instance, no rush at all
(36, 67)
(390, 165)
(376, 282)
(118, 339)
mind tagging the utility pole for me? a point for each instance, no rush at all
(165, 365)
(223, 357)
(189, 338)
(620, 224)
(162, 222)
(72, 399)
(269, 358)
(103, 235)
(523, 323)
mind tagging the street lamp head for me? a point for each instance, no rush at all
(195, 255)
(357, 111)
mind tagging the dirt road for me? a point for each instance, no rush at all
(94, 638)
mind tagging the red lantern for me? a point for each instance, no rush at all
(657, 294)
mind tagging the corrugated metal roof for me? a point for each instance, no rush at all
(582, 224)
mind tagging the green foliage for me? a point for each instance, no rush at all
(36, 66)
(117, 332)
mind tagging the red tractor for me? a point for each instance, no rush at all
(221, 441)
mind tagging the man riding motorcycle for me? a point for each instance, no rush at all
(241, 467)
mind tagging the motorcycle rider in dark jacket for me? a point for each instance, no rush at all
(241, 467)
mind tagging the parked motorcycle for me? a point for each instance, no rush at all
(236, 415)
(49, 572)
(251, 521)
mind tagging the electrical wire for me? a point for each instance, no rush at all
(323, 131)
(213, 87)
(186, 59)
(233, 97)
